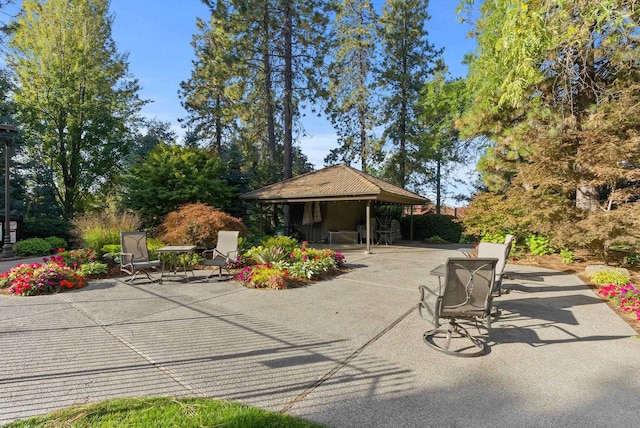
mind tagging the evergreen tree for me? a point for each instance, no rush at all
(407, 62)
(171, 176)
(352, 93)
(74, 96)
(212, 96)
(442, 103)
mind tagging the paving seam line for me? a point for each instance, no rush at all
(288, 406)
(164, 370)
(377, 284)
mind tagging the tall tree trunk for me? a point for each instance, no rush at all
(268, 92)
(403, 123)
(288, 97)
(219, 127)
(438, 184)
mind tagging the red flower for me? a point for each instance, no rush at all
(61, 250)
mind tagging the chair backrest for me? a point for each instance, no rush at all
(228, 243)
(135, 243)
(467, 287)
(508, 241)
(494, 251)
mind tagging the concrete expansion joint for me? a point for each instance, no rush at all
(164, 370)
(288, 406)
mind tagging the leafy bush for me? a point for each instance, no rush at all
(97, 230)
(616, 277)
(539, 245)
(187, 261)
(32, 247)
(197, 224)
(497, 237)
(567, 256)
(92, 268)
(286, 243)
(56, 242)
(43, 227)
(429, 225)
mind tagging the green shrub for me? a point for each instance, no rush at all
(567, 256)
(44, 227)
(430, 225)
(498, 238)
(92, 268)
(32, 247)
(606, 277)
(56, 242)
(539, 245)
(286, 243)
(97, 230)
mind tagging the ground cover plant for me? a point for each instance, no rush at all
(63, 271)
(164, 412)
(280, 262)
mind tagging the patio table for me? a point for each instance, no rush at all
(172, 260)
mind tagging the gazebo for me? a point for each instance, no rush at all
(337, 197)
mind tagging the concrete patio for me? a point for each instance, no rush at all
(346, 352)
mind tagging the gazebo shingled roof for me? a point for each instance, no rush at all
(334, 183)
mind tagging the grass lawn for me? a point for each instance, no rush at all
(163, 412)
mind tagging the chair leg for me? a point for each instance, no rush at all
(130, 280)
(452, 332)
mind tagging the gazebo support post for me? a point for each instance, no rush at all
(411, 223)
(368, 226)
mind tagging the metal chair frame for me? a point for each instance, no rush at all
(465, 294)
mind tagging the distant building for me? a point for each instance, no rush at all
(458, 212)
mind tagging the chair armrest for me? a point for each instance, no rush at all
(215, 253)
(424, 288)
(126, 259)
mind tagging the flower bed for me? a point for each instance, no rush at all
(64, 271)
(284, 264)
(625, 297)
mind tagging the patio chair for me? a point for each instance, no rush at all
(226, 251)
(134, 255)
(464, 294)
(500, 252)
(387, 230)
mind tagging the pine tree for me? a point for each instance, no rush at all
(407, 62)
(442, 103)
(352, 91)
